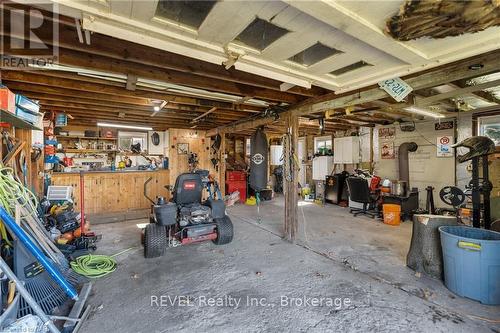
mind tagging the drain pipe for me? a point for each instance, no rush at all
(404, 169)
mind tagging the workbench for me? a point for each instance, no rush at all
(108, 192)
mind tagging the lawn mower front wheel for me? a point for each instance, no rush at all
(224, 231)
(155, 240)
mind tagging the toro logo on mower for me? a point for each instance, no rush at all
(189, 186)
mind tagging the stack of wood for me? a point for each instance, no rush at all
(442, 18)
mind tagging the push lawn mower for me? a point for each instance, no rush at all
(186, 219)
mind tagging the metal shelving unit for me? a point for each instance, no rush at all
(9, 117)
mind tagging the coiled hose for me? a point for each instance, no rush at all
(93, 266)
(96, 265)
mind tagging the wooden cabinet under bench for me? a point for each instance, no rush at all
(115, 191)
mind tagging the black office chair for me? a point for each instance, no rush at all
(359, 191)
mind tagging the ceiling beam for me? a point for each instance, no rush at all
(74, 84)
(484, 95)
(204, 114)
(187, 101)
(124, 50)
(457, 92)
(437, 76)
(237, 127)
(17, 86)
(75, 98)
(171, 113)
(97, 62)
(131, 82)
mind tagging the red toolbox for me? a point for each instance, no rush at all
(236, 176)
(237, 181)
(240, 186)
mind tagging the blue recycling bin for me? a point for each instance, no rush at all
(471, 259)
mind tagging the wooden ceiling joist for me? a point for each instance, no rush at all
(463, 69)
(74, 58)
(481, 94)
(169, 113)
(46, 80)
(97, 62)
(105, 101)
(117, 49)
(456, 71)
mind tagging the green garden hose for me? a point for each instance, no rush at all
(12, 194)
(93, 266)
(96, 265)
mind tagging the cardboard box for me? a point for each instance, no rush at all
(108, 132)
(7, 100)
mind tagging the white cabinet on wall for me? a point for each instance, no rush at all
(346, 150)
(275, 152)
(322, 167)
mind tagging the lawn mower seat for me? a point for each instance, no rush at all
(188, 189)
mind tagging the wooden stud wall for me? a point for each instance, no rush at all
(198, 144)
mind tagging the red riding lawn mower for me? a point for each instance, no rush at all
(186, 219)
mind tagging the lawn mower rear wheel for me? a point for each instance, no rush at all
(155, 240)
(224, 231)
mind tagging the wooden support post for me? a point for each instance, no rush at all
(291, 183)
(222, 164)
(372, 152)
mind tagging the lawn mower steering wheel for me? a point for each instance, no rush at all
(452, 195)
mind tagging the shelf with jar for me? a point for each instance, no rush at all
(86, 145)
(86, 138)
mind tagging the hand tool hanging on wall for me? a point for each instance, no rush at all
(214, 149)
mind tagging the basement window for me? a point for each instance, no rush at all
(260, 34)
(127, 139)
(188, 13)
(350, 68)
(314, 54)
(322, 142)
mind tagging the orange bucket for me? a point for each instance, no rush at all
(392, 214)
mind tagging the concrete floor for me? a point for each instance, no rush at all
(344, 274)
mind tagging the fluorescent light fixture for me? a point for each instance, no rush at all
(144, 128)
(424, 112)
(156, 108)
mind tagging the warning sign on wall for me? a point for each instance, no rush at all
(444, 146)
